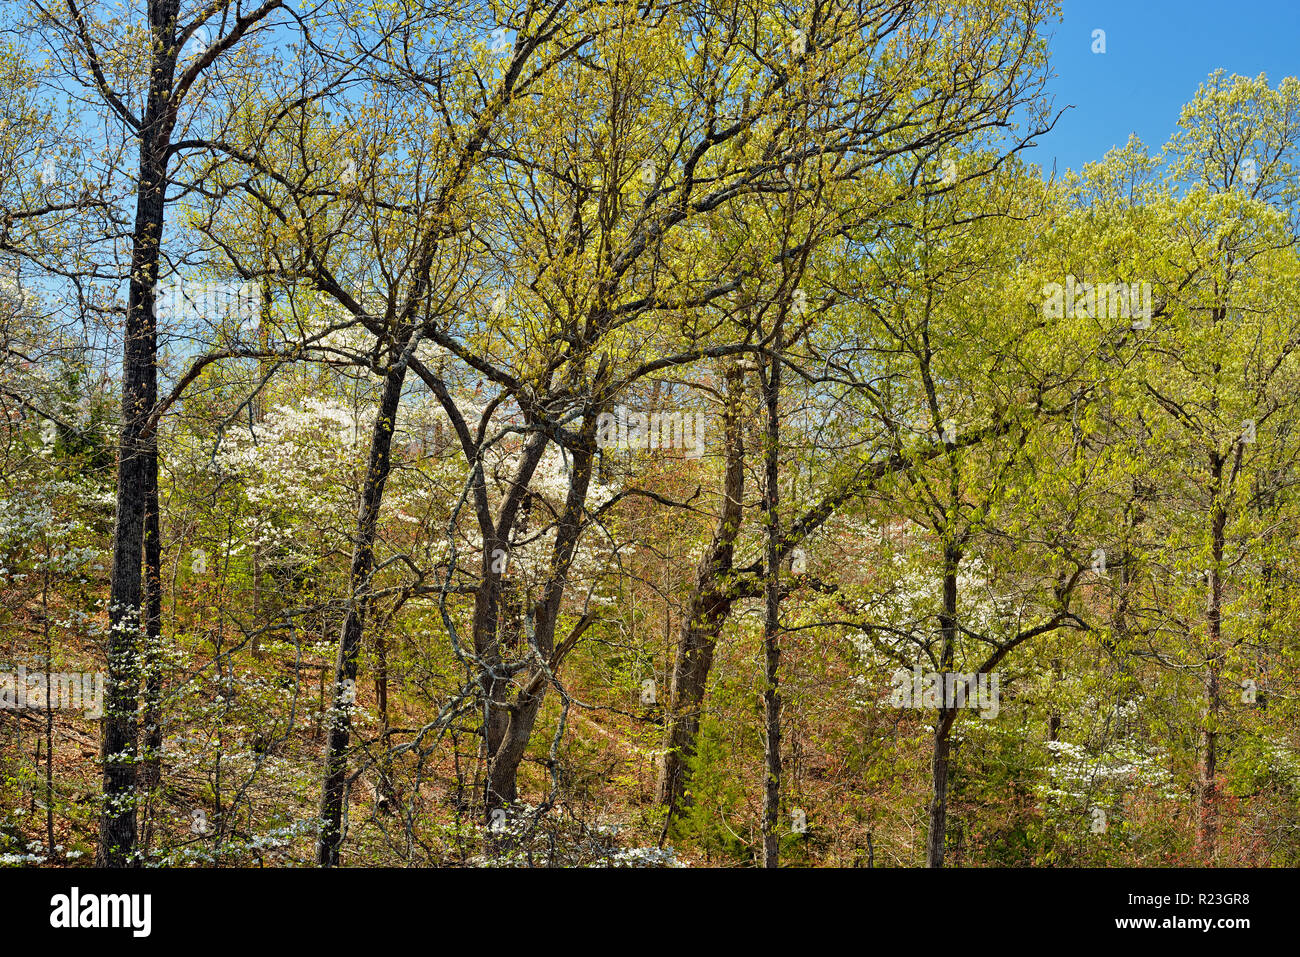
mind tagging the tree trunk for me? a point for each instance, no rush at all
(934, 847)
(119, 729)
(1207, 787)
(706, 611)
(330, 838)
(772, 612)
(494, 682)
(151, 758)
(49, 710)
(503, 769)
(385, 789)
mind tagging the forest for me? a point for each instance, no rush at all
(636, 433)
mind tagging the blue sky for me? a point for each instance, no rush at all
(1157, 53)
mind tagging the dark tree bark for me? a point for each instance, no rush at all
(492, 674)
(934, 846)
(151, 758)
(119, 729)
(521, 714)
(137, 451)
(330, 838)
(772, 610)
(49, 710)
(706, 611)
(1207, 743)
